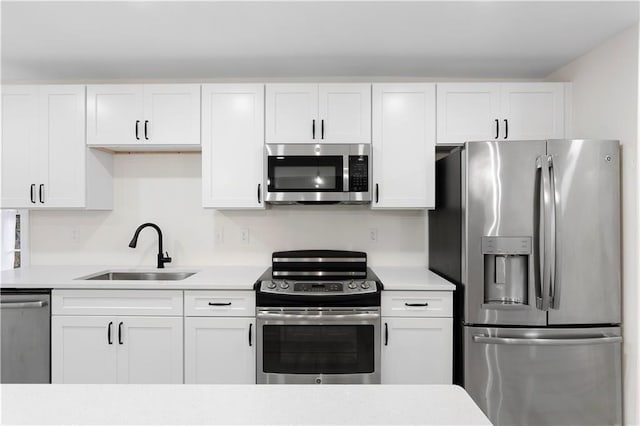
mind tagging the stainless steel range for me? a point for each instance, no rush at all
(318, 318)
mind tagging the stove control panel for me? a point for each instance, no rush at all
(325, 288)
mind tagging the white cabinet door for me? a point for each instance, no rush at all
(292, 113)
(232, 145)
(468, 112)
(533, 111)
(149, 350)
(403, 145)
(417, 350)
(220, 350)
(115, 114)
(62, 150)
(345, 113)
(19, 145)
(171, 114)
(83, 349)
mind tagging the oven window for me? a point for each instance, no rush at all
(305, 174)
(318, 349)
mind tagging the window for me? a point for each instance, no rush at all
(14, 229)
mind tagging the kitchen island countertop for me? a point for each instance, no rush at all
(240, 404)
(206, 278)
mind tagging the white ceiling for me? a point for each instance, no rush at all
(170, 40)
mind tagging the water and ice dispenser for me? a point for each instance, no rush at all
(506, 270)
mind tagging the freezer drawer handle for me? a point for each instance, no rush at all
(546, 342)
(24, 305)
(219, 304)
(416, 304)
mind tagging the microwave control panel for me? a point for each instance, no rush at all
(358, 173)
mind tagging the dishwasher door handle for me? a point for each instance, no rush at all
(24, 305)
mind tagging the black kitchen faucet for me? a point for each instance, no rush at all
(162, 258)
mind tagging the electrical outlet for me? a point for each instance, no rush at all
(219, 235)
(373, 234)
(244, 235)
(75, 235)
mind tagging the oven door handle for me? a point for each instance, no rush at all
(330, 316)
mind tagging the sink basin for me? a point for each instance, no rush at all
(133, 275)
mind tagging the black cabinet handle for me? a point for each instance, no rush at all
(146, 123)
(497, 128)
(416, 304)
(377, 194)
(322, 129)
(259, 200)
(41, 193)
(250, 327)
(137, 123)
(386, 334)
(506, 128)
(313, 129)
(109, 333)
(33, 193)
(219, 304)
(120, 333)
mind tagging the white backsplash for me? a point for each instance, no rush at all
(166, 189)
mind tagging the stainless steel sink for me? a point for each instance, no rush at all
(134, 275)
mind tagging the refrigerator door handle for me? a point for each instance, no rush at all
(545, 247)
(538, 234)
(546, 342)
(553, 289)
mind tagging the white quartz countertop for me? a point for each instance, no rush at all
(205, 278)
(240, 404)
(411, 278)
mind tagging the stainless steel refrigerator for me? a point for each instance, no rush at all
(530, 233)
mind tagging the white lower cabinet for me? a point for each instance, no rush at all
(220, 350)
(101, 349)
(417, 338)
(220, 337)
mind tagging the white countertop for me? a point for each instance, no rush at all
(206, 278)
(411, 278)
(240, 404)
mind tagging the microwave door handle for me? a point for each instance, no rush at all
(345, 173)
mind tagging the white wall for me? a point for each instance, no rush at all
(166, 189)
(605, 105)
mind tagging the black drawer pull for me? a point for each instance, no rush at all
(137, 123)
(120, 334)
(219, 304)
(33, 193)
(416, 304)
(386, 334)
(109, 333)
(250, 327)
(41, 193)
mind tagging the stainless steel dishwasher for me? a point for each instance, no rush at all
(25, 324)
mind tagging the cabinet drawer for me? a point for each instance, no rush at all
(214, 303)
(117, 302)
(417, 304)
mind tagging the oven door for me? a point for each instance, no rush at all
(318, 345)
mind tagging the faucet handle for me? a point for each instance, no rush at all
(166, 257)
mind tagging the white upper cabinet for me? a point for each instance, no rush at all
(345, 113)
(152, 116)
(403, 146)
(45, 162)
(318, 113)
(533, 110)
(467, 111)
(500, 111)
(232, 145)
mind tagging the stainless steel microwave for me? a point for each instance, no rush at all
(317, 173)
